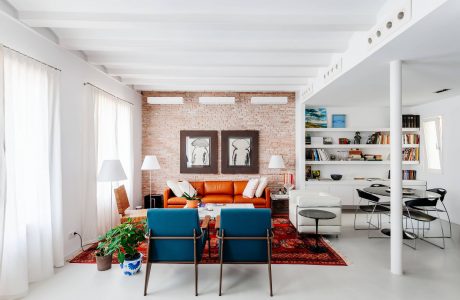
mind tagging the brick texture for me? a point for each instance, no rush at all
(161, 126)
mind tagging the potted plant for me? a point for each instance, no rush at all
(125, 239)
(104, 254)
(192, 201)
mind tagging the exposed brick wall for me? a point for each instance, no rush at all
(161, 126)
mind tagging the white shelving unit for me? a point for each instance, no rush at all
(360, 146)
(356, 162)
(360, 129)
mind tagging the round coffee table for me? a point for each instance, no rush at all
(317, 214)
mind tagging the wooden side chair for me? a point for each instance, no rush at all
(123, 207)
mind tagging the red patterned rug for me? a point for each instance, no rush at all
(287, 249)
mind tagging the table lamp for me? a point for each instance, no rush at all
(111, 170)
(150, 163)
(276, 162)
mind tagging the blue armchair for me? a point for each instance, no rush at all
(245, 236)
(175, 236)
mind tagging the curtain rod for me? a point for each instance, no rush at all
(89, 83)
(43, 63)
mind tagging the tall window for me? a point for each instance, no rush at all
(31, 241)
(432, 133)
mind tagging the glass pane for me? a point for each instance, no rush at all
(431, 145)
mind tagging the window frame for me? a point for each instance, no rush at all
(439, 136)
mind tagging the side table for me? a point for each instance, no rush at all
(280, 203)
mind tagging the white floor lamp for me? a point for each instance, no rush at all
(150, 163)
(111, 170)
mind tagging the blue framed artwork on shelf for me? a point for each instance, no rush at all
(339, 121)
(315, 118)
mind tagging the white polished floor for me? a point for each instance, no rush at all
(430, 273)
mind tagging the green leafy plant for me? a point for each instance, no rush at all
(123, 239)
(189, 197)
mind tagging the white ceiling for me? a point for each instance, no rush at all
(430, 50)
(205, 45)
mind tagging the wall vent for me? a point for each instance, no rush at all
(333, 70)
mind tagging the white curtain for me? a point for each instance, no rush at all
(113, 140)
(32, 235)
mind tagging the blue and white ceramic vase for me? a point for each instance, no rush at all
(131, 267)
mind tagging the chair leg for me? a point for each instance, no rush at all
(147, 276)
(269, 252)
(448, 218)
(221, 263)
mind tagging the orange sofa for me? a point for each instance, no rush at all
(218, 192)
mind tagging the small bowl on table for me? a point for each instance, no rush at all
(336, 176)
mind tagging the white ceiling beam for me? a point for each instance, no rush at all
(159, 46)
(222, 71)
(212, 58)
(240, 88)
(217, 81)
(297, 22)
(199, 36)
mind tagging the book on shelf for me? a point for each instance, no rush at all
(411, 154)
(411, 138)
(381, 138)
(316, 155)
(406, 174)
(411, 121)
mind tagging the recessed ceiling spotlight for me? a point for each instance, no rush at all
(441, 91)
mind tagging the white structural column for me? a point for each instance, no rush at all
(396, 165)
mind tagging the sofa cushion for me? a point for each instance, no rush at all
(177, 201)
(218, 188)
(186, 187)
(263, 182)
(199, 187)
(213, 198)
(175, 188)
(255, 201)
(238, 187)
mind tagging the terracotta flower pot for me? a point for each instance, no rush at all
(192, 203)
(104, 262)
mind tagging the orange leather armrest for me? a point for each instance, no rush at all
(268, 199)
(166, 194)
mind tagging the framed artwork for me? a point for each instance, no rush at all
(339, 121)
(315, 118)
(198, 151)
(240, 152)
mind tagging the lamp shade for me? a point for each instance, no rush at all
(150, 163)
(276, 162)
(111, 170)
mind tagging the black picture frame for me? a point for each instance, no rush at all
(248, 161)
(206, 136)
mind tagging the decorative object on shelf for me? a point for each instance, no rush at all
(355, 154)
(193, 201)
(339, 121)
(336, 176)
(111, 171)
(150, 163)
(307, 140)
(315, 118)
(124, 239)
(344, 141)
(357, 138)
(198, 151)
(327, 140)
(308, 172)
(317, 140)
(240, 152)
(316, 174)
(332, 156)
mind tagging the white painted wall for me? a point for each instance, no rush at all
(449, 109)
(74, 73)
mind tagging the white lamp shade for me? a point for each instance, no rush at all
(150, 163)
(111, 170)
(276, 162)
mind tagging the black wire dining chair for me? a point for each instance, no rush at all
(434, 208)
(373, 207)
